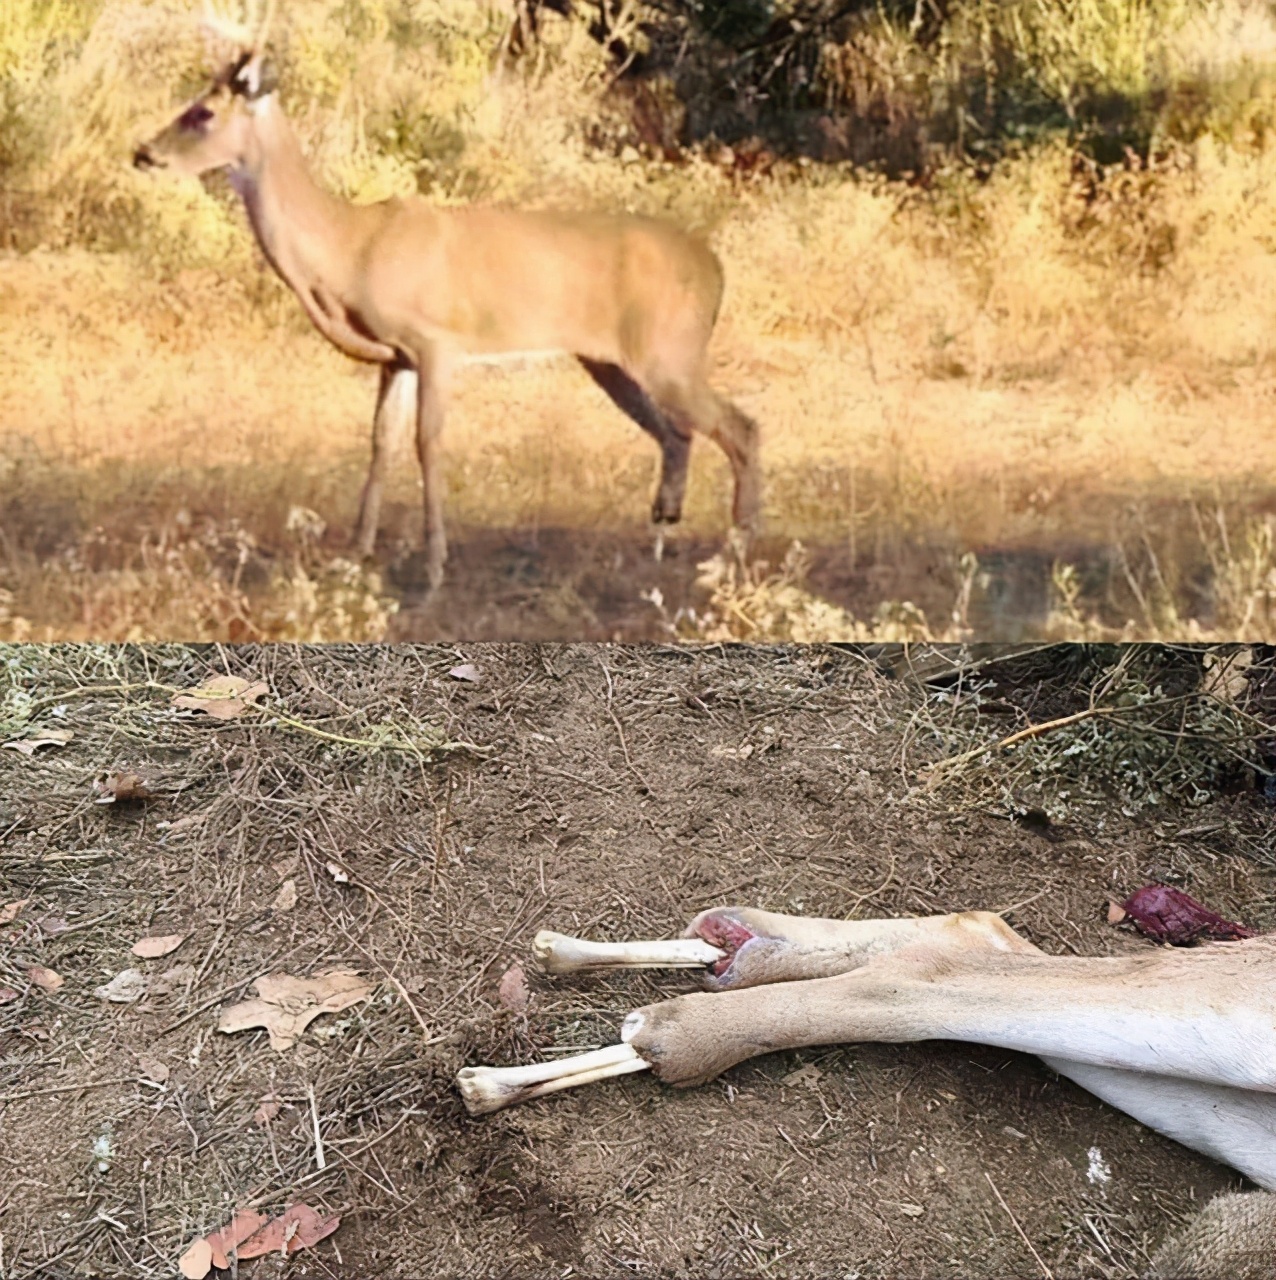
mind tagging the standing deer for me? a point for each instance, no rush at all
(419, 290)
(1184, 1041)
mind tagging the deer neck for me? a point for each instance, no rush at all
(309, 235)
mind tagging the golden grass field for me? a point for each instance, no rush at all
(1071, 380)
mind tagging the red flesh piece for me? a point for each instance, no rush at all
(1169, 915)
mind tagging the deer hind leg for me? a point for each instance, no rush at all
(693, 405)
(396, 408)
(675, 444)
(734, 947)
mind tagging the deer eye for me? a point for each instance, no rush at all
(194, 117)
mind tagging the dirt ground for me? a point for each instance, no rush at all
(611, 798)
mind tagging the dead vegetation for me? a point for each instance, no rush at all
(607, 792)
(1050, 348)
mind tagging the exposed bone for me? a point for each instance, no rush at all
(485, 1089)
(561, 954)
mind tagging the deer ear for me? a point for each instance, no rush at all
(256, 78)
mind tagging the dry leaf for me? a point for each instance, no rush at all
(286, 898)
(9, 912)
(154, 947)
(51, 926)
(466, 671)
(45, 978)
(1116, 912)
(7, 994)
(197, 1261)
(121, 788)
(808, 1075)
(38, 738)
(733, 753)
(223, 697)
(297, 1227)
(512, 991)
(286, 1006)
(127, 986)
(911, 1210)
(153, 1069)
(270, 1107)
(179, 976)
(213, 1250)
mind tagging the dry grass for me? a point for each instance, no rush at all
(1056, 366)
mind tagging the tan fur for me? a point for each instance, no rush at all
(422, 289)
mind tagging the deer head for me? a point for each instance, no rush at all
(213, 131)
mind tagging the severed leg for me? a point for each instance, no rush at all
(561, 954)
(485, 1089)
(736, 947)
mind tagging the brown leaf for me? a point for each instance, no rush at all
(7, 994)
(512, 991)
(178, 975)
(121, 788)
(223, 697)
(466, 671)
(153, 947)
(286, 898)
(245, 1224)
(45, 978)
(9, 912)
(153, 1069)
(270, 1107)
(1116, 912)
(51, 926)
(286, 1006)
(297, 1227)
(38, 738)
(197, 1261)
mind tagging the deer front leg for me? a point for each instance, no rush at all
(396, 408)
(429, 425)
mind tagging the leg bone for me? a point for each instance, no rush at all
(486, 1089)
(561, 954)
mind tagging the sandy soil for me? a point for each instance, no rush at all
(613, 802)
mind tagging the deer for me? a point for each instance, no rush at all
(420, 290)
(1182, 1040)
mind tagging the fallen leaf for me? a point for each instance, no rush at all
(1169, 915)
(296, 1228)
(9, 912)
(153, 947)
(121, 788)
(230, 1239)
(127, 986)
(45, 978)
(733, 753)
(179, 976)
(512, 991)
(270, 1107)
(51, 926)
(337, 873)
(153, 1069)
(911, 1210)
(286, 898)
(38, 738)
(808, 1075)
(466, 671)
(223, 697)
(197, 1261)
(286, 1006)
(1116, 912)
(7, 994)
